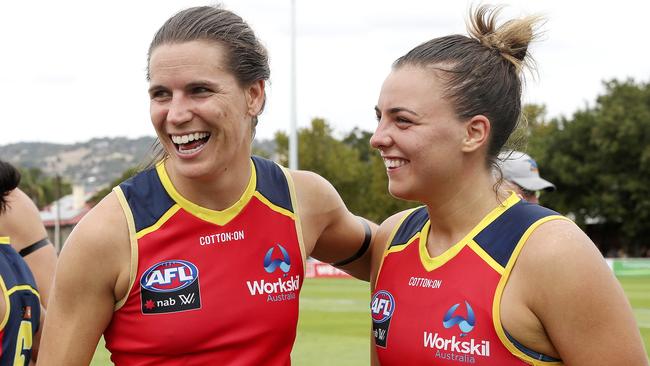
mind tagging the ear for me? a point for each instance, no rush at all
(477, 133)
(255, 97)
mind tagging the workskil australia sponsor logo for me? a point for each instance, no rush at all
(382, 307)
(282, 288)
(169, 287)
(459, 347)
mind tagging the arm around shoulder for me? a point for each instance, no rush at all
(331, 232)
(578, 300)
(92, 270)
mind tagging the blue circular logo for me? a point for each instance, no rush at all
(382, 306)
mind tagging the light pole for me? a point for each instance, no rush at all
(293, 135)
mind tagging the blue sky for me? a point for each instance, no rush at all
(73, 70)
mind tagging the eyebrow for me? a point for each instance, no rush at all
(155, 87)
(397, 110)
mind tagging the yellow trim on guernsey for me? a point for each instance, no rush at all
(133, 265)
(430, 263)
(5, 294)
(274, 207)
(4, 240)
(220, 218)
(23, 288)
(496, 305)
(486, 257)
(163, 219)
(396, 248)
(296, 216)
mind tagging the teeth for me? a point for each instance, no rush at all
(184, 139)
(394, 163)
(190, 151)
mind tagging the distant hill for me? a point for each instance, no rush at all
(94, 163)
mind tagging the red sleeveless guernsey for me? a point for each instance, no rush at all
(445, 310)
(209, 287)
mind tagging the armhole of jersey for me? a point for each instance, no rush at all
(296, 212)
(133, 265)
(390, 239)
(5, 295)
(496, 305)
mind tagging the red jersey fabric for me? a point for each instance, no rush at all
(209, 287)
(446, 310)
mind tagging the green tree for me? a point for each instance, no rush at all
(350, 164)
(41, 188)
(105, 191)
(600, 160)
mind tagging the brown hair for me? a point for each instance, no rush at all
(482, 72)
(9, 179)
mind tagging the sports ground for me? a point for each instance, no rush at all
(334, 321)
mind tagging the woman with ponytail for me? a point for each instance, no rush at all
(476, 275)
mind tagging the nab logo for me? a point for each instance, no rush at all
(382, 306)
(169, 276)
(465, 325)
(270, 265)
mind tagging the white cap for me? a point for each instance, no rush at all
(522, 170)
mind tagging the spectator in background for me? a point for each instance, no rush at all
(521, 175)
(22, 224)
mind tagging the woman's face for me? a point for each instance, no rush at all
(418, 134)
(201, 114)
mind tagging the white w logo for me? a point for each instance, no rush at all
(187, 299)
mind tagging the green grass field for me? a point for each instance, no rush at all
(334, 321)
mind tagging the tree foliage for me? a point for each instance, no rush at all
(41, 188)
(106, 190)
(600, 160)
(353, 168)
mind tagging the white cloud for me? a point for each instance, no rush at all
(72, 70)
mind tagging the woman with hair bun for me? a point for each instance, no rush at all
(476, 275)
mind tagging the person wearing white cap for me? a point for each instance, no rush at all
(521, 175)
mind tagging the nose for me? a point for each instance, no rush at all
(179, 110)
(381, 138)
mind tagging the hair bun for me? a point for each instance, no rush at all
(511, 38)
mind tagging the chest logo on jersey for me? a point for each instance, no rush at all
(459, 348)
(382, 307)
(283, 288)
(284, 263)
(169, 287)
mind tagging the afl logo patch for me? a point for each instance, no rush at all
(169, 276)
(382, 307)
(170, 286)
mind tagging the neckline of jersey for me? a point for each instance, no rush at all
(214, 216)
(431, 263)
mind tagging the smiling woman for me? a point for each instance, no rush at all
(210, 238)
(500, 281)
